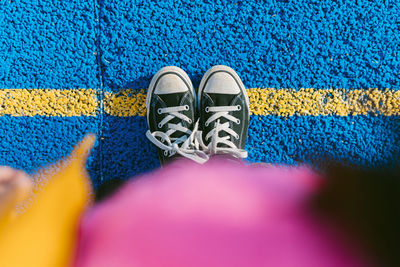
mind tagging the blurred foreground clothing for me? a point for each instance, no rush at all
(222, 213)
(43, 233)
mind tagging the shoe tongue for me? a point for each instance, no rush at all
(222, 99)
(173, 100)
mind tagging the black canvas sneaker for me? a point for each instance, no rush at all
(171, 116)
(224, 113)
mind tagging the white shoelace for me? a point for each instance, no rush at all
(186, 145)
(213, 148)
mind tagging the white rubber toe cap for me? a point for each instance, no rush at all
(169, 84)
(222, 83)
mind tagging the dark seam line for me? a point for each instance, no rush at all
(100, 91)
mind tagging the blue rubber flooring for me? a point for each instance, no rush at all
(109, 45)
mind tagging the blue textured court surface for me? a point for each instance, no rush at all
(109, 45)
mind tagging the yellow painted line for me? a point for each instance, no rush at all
(283, 102)
(314, 102)
(263, 101)
(49, 102)
(125, 103)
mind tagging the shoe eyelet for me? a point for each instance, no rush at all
(190, 121)
(165, 153)
(186, 107)
(206, 124)
(207, 109)
(159, 111)
(237, 121)
(237, 137)
(238, 107)
(159, 125)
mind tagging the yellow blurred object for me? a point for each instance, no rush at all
(45, 235)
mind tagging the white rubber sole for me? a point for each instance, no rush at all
(231, 72)
(168, 69)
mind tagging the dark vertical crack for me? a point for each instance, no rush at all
(100, 90)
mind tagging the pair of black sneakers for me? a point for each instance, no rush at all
(183, 125)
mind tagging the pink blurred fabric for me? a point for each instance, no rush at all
(221, 214)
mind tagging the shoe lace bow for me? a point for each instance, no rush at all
(186, 145)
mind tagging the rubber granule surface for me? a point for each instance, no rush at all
(323, 77)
